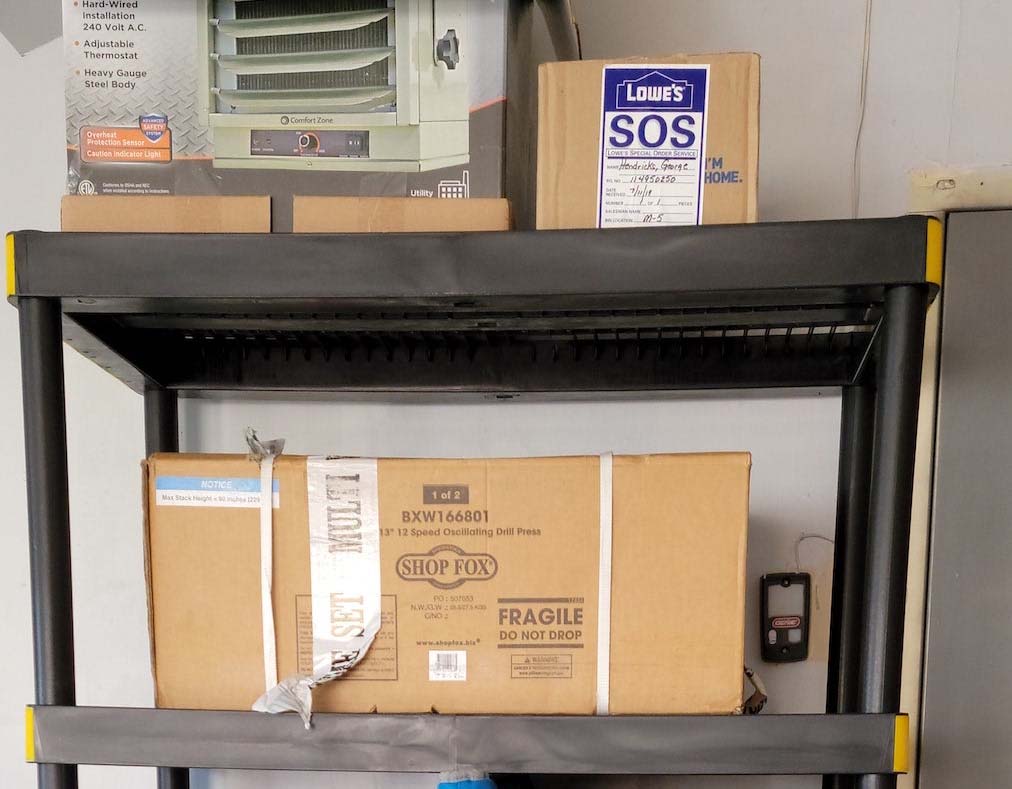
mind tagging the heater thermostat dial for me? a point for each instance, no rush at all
(448, 49)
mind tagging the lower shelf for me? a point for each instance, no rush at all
(677, 745)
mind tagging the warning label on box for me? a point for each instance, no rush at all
(146, 144)
(541, 667)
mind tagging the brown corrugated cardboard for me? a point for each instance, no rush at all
(569, 138)
(398, 215)
(527, 619)
(165, 214)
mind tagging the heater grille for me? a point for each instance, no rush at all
(270, 9)
(303, 55)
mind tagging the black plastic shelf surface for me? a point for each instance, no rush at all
(785, 304)
(678, 745)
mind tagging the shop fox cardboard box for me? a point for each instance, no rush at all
(493, 582)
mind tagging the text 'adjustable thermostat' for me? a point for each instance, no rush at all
(309, 144)
(784, 620)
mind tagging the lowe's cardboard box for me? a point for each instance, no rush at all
(349, 97)
(670, 140)
(455, 586)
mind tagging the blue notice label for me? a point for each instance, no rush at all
(236, 484)
(239, 492)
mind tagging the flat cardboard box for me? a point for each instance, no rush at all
(569, 137)
(528, 621)
(164, 214)
(398, 215)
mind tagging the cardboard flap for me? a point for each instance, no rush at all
(399, 215)
(164, 214)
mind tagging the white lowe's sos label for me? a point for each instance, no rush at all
(653, 144)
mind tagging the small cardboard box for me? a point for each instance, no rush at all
(490, 580)
(399, 215)
(164, 214)
(673, 125)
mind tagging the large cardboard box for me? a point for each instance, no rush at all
(657, 140)
(398, 215)
(490, 581)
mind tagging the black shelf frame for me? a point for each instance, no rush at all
(561, 313)
(513, 744)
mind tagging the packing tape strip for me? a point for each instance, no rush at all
(344, 558)
(344, 566)
(604, 589)
(267, 570)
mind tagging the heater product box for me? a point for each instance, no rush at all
(670, 140)
(283, 97)
(568, 585)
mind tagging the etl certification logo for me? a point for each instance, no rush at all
(154, 126)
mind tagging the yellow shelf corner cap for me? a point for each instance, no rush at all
(934, 253)
(11, 278)
(29, 734)
(901, 744)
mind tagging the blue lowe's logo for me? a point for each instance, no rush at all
(654, 91)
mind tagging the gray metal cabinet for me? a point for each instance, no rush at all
(967, 711)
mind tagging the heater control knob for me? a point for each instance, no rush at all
(448, 49)
(309, 142)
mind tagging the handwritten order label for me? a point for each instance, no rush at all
(653, 145)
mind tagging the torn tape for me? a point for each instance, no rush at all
(344, 555)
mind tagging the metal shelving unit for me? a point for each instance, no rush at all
(493, 315)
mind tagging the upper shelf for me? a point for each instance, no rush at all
(782, 304)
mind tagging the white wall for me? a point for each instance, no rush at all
(920, 107)
(937, 93)
(105, 434)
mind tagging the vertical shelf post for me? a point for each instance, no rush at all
(901, 348)
(161, 420)
(45, 420)
(857, 427)
(161, 434)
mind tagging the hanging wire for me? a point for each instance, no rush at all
(855, 196)
(797, 546)
(797, 559)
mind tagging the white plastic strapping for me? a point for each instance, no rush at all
(264, 453)
(604, 590)
(267, 570)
